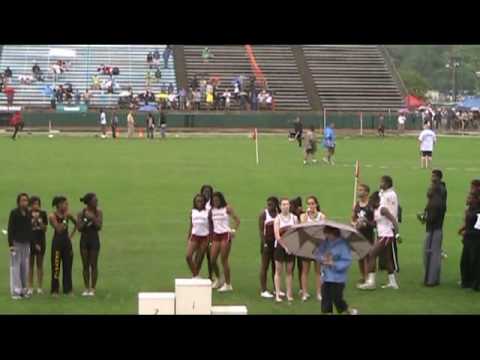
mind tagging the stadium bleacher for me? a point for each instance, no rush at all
(352, 78)
(130, 59)
(279, 67)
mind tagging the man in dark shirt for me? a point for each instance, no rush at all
(437, 177)
(433, 217)
(8, 72)
(298, 127)
(19, 242)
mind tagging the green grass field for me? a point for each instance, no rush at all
(146, 188)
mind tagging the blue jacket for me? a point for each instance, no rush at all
(328, 137)
(342, 258)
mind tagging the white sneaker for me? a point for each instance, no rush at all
(278, 299)
(225, 288)
(86, 293)
(266, 294)
(314, 161)
(319, 297)
(353, 312)
(305, 297)
(390, 286)
(367, 286)
(16, 297)
(215, 284)
(39, 291)
(325, 160)
(444, 255)
(91, 293)
(281, 294)
(29, 292)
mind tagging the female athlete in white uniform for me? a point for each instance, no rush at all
(222, 236)
(282, 256)
(312, 215)
(198, 233)
(267, 242)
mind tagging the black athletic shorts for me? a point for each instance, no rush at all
(281, 255)
(427, 153)
(33, 248)
(268, 248)
(90, 244)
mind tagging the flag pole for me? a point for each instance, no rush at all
(256, 144)
(355, 183)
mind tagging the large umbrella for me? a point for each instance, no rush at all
(303, 239)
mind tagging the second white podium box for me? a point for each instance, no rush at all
(193, 296)
(156, 303)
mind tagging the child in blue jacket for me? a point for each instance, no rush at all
(335, 257)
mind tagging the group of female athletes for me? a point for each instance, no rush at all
(210, 234)
(26, 234)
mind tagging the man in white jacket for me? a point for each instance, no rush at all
(427, 140)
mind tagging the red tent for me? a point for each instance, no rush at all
(413, 102)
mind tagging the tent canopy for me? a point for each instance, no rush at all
(413, 102)
(469, 103)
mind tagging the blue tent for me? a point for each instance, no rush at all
(469, 102)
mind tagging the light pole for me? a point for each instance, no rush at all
(453, 64)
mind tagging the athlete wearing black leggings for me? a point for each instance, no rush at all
(62, 252)
(89, 223)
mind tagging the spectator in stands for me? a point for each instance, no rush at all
(86, 97)
(8, 73)
(156, 54)
(37, 73)
(166, 56)
(269, 101)
(226, 99)
(69, 92)
(194, 84)
(60, 93)
(197, 99)
(182, 99)
(10, 94)
(96, 83)
(170, 88)
(262, 99)
(243, 100)
(172, 100)
(2, 83)
(236, 91)
(206, 55)
(25, 79)
(158, 74)
(150, 60)
(78, 97)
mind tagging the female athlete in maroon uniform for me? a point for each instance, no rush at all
(222, 235)
(198, 233)
(267, 242)
(283, 258)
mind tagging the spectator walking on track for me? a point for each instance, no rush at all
(130, 125)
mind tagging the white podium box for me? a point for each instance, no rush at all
(229, 310)
(154, 303)
(193, 296)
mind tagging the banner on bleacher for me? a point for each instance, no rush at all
(10, 108)
(72, 108)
